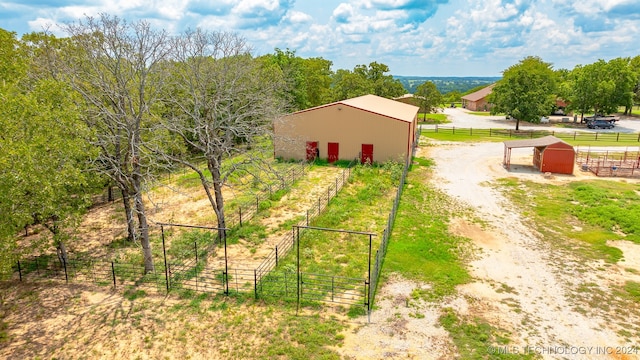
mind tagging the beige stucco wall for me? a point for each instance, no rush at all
(348, 126)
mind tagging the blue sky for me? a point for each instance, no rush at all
(412, 37)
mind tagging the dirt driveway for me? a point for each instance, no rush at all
(520, 284)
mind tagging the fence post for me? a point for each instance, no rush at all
(164, 253)
(255, 283)
(257, 204)
(19, 270)
(195, 247)
(618, 137)
(240, 211)
(307, 217)
(113, 273)
(332, 287)
(276, 255)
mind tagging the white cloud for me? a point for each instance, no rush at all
(297, 17)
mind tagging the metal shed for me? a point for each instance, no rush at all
(550, 154)
(369, 127)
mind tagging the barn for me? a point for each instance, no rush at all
(550, 154)
(369, 127)
(478, 101)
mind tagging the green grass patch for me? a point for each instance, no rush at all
(184, 244)
(632, 290)
(250, 232)
(421, 247)
(592, 212)
(362, 205)
(4, 333)
(480, 113)
(477, 339)
(433, 118)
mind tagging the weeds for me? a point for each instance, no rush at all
(424, 250)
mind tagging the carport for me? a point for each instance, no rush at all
(550, 154)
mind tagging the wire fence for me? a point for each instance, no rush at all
(382, 250)
(189, 270)
(607, 136)
(288, 240)
(610, 162)
(100, 272)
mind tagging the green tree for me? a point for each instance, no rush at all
(428, 97)
(526, 90)
(365, 80)
(453, 96)
(308, 80)
(624, 78)
(43, 152)
(635, 67)
(602, 87)
(318, 75)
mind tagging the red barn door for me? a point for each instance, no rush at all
(366, 156)
(332, 151)
(312, 150)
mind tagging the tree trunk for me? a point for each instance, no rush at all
(219, 200)
(61, 250)
(131, 227)
(517, 124)
(140, 210)
(144, 234)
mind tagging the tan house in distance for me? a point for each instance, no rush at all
(369, 127)
(477, 101)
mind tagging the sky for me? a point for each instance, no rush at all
(411, 37)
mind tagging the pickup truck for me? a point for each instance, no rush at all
(600, 124)
(610, 118)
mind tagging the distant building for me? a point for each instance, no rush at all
(410, 99)
(477, 101)
(369, 127)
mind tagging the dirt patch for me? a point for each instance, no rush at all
(525, 284)
(401, 327)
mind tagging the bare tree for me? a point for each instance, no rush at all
(115, 67)
(221, 102)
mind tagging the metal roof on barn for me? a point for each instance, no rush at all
(480, 94)
(377, 105)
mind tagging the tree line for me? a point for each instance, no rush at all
(115, 103)
(532, 88)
